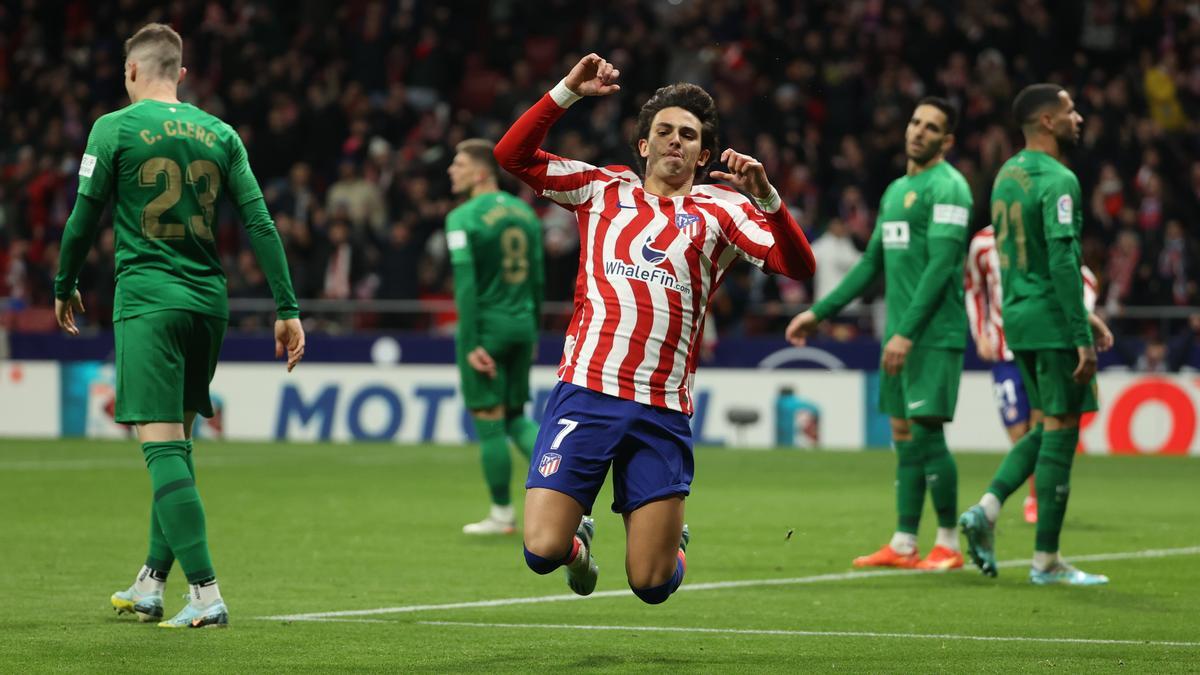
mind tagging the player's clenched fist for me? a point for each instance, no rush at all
(593, 76)
(745, 173)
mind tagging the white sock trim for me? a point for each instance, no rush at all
(947, 537)
(903, 543)
(991, 506)
(145, 583)
(204, 596)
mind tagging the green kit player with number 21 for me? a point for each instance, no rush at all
(164, 164)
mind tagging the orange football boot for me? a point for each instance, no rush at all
(888, 557)
(941, 558)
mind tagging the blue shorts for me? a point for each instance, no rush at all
(1009, 391)
(584, 431)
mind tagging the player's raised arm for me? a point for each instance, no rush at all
(788, 252)
(519, 151)
(242, 188)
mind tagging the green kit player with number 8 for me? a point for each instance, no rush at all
(164, 164)
(495, 243)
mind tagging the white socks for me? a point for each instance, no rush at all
(504, 514)
(147, 582)
(991, 506)
(903, 543)
(1043, 561)
(204, 596)
(947, 537)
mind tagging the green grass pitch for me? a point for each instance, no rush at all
(299, 528)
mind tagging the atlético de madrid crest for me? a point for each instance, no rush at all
(549, 464)
(688, 222)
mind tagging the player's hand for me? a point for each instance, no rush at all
(593, 76)
(1086, 369)
(894, 354)
(64, 311)
(801, 326)
(745, 173)
(1101, 333)
(482, 362)
(289, 339)
(986, 350)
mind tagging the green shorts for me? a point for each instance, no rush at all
(165, 360)
(510, 386)
(927, 385)
(1049, 382)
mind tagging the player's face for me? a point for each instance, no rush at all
(1066, 123)
(464, 174)
(926, 137)
(673, 148)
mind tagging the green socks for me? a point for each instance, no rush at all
(1053, 480)
(160, 558)
(1018, 465)
(941, 473)
(523, 432)
(177, 508)
(497, 463)
(910, 486)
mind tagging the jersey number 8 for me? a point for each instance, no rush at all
(202, 175)
(514, 264)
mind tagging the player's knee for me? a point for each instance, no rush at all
(544, 546)
(541, 564)
(650, 575)
(653, 595)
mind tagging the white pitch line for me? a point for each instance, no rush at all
(716, 585)
(816, 633)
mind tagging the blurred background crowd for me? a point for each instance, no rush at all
(350, 112)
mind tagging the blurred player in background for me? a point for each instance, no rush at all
(1037, 214)
(164, 164)
(984, 300)
(652, 253)
(918, 245)
(495, 243)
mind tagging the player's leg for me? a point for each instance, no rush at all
(932, 377)
(522, 430)
(1063, 402)
(571, 458)
(484, 397)
(178, 504)
(652, 475)
(655, 541)
(978, 522)
(901, 551)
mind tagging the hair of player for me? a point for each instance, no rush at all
(691, 98)
(480, 150)
(1032, 100)
(158, 48)
(948, 109)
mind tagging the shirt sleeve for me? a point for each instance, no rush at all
(948, 220)
(765, 234)
(78, 238)
(98, 164)
(568, 182)
(240, 184)
(1061, 208)
(857, 280)
(268, 250)
(976, 289)
(462, 261)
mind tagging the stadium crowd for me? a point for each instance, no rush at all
(350, 112)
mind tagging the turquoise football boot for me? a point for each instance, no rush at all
(215, 615)
(981, 539)
(1062, 574)
(147, 606)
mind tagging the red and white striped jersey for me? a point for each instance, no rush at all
(648, 265)
(984, 294)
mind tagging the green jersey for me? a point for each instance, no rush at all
(165, 165)
(1037, 214)
(495, 243)
(919, 244)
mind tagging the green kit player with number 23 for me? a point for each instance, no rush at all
(164, 164)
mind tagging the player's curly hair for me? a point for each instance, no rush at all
(691, 98)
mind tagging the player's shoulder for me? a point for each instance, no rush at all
(111, 121)
(722, 193)
(982, 240)
(618, 172)
(950, 174)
